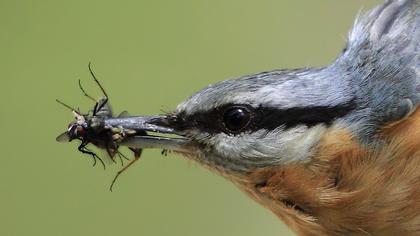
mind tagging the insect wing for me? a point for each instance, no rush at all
(62, 137)
(124, 114)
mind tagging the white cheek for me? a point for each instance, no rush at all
(299, 149)
(231, 146)
(262, 147)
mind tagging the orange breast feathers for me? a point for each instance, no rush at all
(349, 188)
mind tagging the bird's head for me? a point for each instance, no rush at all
(278, 117)
(266, 119)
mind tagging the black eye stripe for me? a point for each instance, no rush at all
(309, 116)
(263, 117)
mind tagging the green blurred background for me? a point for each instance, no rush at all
(149, 55)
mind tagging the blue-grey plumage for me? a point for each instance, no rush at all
(379, 71)
(381, 61)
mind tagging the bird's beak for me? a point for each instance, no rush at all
(156, 124)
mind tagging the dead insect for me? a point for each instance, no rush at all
(91, 128)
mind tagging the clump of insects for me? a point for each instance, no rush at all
(90, 128)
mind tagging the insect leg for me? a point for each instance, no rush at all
(98, 107)
(82, 148)
(95, 109)
(84, 92)
(164, 152)
(136, 157)
(121, 156)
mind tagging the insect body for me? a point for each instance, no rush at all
(91, 129)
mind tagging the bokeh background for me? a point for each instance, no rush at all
(149, 55)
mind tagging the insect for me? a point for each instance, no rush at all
(90, 128)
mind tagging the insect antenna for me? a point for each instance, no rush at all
(69, 107)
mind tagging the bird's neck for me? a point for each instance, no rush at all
(348, 189)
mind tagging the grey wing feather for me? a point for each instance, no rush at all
(381, 60)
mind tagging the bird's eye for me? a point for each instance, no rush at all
(236, 119)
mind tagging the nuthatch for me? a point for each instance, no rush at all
(332, 150)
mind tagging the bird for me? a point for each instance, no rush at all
(331, 150)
